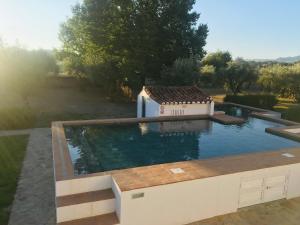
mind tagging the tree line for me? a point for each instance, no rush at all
(124, 44)
(218, 69)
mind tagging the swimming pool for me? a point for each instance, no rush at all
(100, 148)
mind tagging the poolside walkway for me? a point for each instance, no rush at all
(34, 200)
(4, 133)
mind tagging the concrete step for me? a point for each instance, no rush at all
(226, 119)
(84, 205)
(106, 219)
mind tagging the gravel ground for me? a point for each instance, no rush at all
(34, 201)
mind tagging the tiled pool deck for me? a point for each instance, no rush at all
(148, 176)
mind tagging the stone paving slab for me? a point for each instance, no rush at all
(226, 119)
(34, 200)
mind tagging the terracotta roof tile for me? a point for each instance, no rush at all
(177, 95)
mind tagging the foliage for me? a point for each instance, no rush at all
(239, 74)
(208, 76)
(282, 79)
(17, 118)
(12, 151)
(217, 59)
(22, 71)
(118, 43)
(292, 113)
(265, 101)
(213, 66)
(185, 71)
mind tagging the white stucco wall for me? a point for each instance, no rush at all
(139, 105)
(187, 109)
(294, 182)
(117, 193)
(152, 107)
(185, 202)
(181, 203)
(81, 185)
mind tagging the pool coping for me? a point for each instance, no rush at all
(62, 160)
(142, 177)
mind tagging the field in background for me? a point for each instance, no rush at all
(74, 103)
(56, 104)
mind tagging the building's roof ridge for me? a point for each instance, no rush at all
(177, 94)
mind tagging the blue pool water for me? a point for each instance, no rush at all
(109, 147)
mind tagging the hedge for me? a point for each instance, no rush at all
(292, 113)
(265, 101)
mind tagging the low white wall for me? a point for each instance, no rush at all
(181, 203)
(81, 185)
(189, 201)
(186, 109)
(85, 210)
(294, 182)
(152, 108)
(117, 193)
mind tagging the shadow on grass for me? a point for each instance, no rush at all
(12, 152)
(22, 118)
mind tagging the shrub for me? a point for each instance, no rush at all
(281, 79)
(264, 101)
(292, 113)
(16, 118)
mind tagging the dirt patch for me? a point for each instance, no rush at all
(90, 101)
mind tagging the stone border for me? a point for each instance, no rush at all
(283, 132)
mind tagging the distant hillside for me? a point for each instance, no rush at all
(280, 60)
(288, 59)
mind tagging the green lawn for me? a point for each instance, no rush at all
(289, 112)
(17, 118)
(23, 118)
(12, 151)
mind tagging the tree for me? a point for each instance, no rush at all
(207, 76)
(239, 74)
(281, 79)
(218, 60)
(119, 43)
(185, 71)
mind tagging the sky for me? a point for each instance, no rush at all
(33, 23)
(252, 29)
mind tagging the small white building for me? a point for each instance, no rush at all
(156, 101)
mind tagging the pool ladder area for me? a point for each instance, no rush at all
(88, 208)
